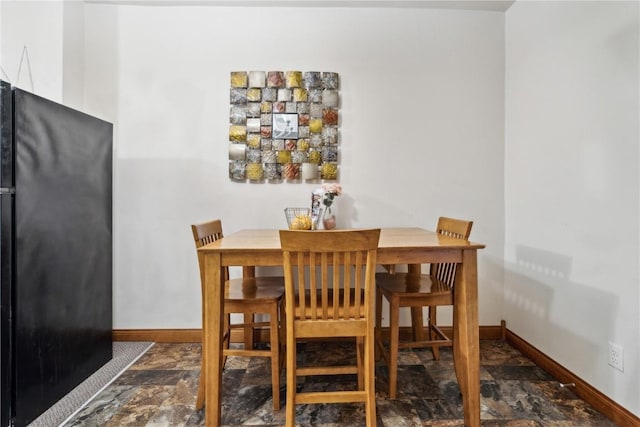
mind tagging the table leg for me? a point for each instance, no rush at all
(417, 320)
(248, 271)
(212, 338)
(466, 340)
(249, 317)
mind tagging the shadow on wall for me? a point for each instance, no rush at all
(568, 321)
(533, 268)
(347, 212)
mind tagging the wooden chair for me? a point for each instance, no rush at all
(249, 296)
(318, 267)
(417, 290)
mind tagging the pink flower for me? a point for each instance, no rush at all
(330, 192)
(335, 189)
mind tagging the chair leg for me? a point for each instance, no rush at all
(248, 329)
(393, 345)
(275, 355)
(282, 335)
(290, 409)
(360, 362)
(432, 333)
(200, 395)
(227, 333)
(369, 380)
(378, 331)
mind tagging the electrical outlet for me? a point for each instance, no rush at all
(616, 356)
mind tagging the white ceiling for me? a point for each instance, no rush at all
(487, 5)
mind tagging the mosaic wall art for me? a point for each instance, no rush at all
(283, 126)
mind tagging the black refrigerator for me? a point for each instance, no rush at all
(55, 251)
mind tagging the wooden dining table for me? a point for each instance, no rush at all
(411, 246)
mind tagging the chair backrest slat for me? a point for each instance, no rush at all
(457, 229)
(349, 279)
(336, 285)
(301, 281)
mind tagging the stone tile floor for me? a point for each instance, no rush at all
(160, 389)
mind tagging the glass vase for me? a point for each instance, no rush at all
(329, 218)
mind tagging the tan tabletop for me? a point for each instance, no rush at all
(397, 246)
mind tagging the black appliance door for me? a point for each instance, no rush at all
(6, 245)
(63, 250)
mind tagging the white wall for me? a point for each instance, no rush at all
(572, 186)
(36, 25)
(422, 132)
(53, 34)
(73, 59)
